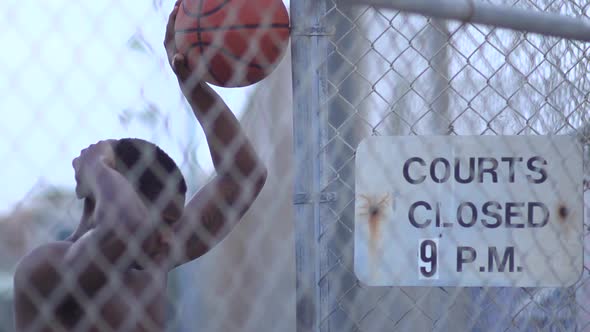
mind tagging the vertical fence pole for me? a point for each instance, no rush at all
(309, 50)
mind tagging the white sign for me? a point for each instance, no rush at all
(469, 211)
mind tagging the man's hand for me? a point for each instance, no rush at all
(177, 61)
(240, 174)
(88, 163)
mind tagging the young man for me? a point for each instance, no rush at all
(110, 274)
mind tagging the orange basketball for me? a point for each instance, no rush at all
(236, 42)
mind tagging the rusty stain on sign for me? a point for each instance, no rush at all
(564, 216)
(563, 212)
(374, 209)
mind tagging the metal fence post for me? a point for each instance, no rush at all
(309, 50)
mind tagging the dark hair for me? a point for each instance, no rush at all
(149, 169)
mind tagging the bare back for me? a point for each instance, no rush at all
(136, 303)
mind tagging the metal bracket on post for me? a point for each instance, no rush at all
(305, 198)
(314, 31)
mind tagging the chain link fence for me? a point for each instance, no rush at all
(127, 257)
(362, 71)
(89, 71)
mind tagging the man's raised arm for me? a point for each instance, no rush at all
(119, 222)
(240, 175)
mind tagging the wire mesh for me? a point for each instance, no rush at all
(383, 72)
(123, 241)
(89, 71)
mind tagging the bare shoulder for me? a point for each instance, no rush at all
(39, 267)
(35, 278)
(48, 253)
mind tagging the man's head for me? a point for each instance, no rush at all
(153, 175)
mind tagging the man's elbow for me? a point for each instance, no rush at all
(260, 179)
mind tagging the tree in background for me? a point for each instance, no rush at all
(48, 214)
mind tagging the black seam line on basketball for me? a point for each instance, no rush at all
(199, 14)
(229, 54)
(237, 27)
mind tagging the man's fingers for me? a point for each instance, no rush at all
(111, 142)
(178, 62)
(178, 59)
(171, 21)
(180, 66)
(172, 17)
(169, 36)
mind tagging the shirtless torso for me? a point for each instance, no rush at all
(110, 275)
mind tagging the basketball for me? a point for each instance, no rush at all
(234, 42)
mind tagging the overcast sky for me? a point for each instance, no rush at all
(66, 75)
